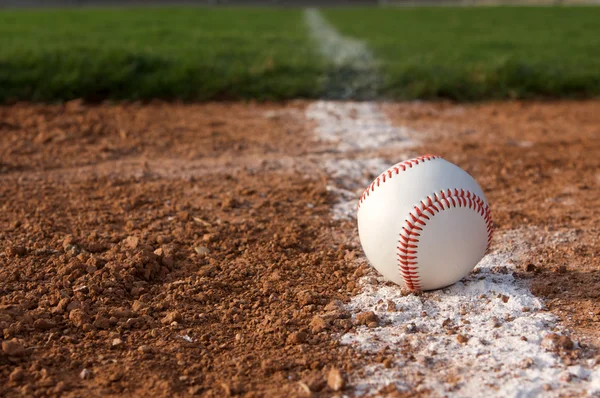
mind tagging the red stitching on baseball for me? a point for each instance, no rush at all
(406, 257)
(394, 170)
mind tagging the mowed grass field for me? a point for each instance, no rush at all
(268, 54)
(177, 53)
(481, 53)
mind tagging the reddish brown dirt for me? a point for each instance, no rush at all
(539, 165)
(108, 270)
(173, 250)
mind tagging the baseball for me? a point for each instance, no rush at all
(424, 223)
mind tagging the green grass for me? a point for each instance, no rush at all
(177, 53)
(202, 53)
(481, 53)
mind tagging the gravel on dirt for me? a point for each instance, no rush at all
(169, 249)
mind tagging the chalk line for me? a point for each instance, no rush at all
(355, 127)
(353, 70)
(502, 352)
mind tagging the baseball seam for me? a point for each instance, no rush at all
(409, 237)
(394, 170)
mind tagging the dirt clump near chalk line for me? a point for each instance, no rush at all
(188, 250)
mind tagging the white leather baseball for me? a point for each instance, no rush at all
(424, 223)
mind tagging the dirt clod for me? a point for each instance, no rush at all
(462, 339)
(334, 306)
(411, 328)
(561, 269)
(296, 338)
(16, 251)
(391, 306)
(13, 348)
(387, 363)
(306, 297)
(527, 363)
(101, 322)
(137, 306)
(44, 324)
(555, 342)
(367, 318)
(78, 317)
(529, 267)
(16, 375)
(318, 323)
(132, 242)
(173, 316)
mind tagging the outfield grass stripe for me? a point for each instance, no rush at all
(353, 71)
(357, 128)
(276, 54)
(475, 53)
(146, 53)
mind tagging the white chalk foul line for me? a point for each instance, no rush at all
(501, 351)
(355, 69)
(338, 49)
(483, 336)
(500, 324)
(354, 127)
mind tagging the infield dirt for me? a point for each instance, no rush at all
(173, 250)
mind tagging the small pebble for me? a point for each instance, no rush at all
(462, 339)
(202, 250)
(85, 374)
(132, 242)
(335, 381)
(391, 306)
